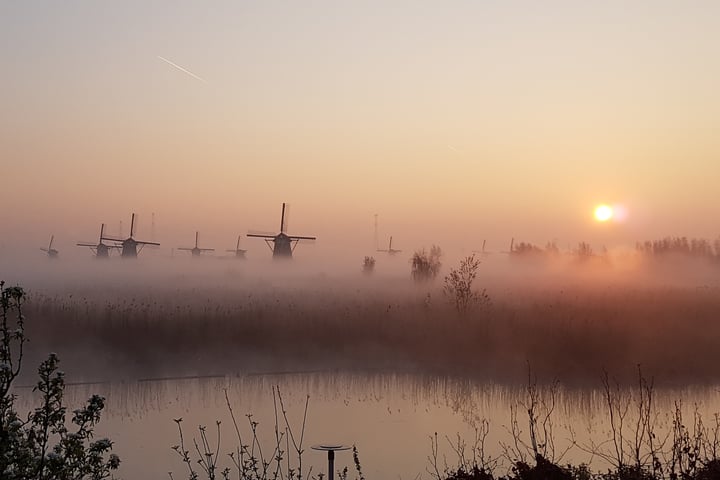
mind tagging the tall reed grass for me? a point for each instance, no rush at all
(570, 333)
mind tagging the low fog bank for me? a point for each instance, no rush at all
(154, 268)
(167, 317)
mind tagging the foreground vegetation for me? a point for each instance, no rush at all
(636, 447)
(41, 445)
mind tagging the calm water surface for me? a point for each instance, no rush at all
(389, 417)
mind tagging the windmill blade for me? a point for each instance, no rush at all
(52, 238)
(196, 239)
(86, 244)
(296, 237)
(282, 219)
(206, 249)
(237, 247)
(296, 240)
(146, 243)
(102, 231)
(132, 226)
(44, 249)
(260, 235)
(286, 222)
(111, 239)
(262, 232)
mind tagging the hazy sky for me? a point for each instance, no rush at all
(454, 121)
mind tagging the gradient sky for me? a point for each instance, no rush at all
(454, 121)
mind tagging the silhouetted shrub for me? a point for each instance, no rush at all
(426, 266)
(542, 470)
(42, 446)
(368, 265)
(459, 286)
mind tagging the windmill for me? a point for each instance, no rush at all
(100, 249)
(239, 253)
(51, 252)
(390, 250)
(196, 251)
(283, 245)
(130, 245)
(483, 252)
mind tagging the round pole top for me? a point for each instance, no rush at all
(330, 447)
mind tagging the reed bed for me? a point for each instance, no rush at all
(569, 332)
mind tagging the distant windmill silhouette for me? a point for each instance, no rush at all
(130, 245)
(390, 250)
(100, 249)
(482, 252)
(196, 251)
(281, 244)
(239, 253)
(51, 252)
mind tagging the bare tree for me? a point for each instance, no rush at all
(459, 286)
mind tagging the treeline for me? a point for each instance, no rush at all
(664, 247)
(695, 247)
(583, 251)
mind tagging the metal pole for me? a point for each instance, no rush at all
(330, 449)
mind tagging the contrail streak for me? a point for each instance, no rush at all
(181, 69)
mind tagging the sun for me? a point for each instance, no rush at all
(603, 213)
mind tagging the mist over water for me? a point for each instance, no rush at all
(161, 316)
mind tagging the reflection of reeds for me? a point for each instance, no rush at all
(637, 447)
(571, 333)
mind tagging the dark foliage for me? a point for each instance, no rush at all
(41, 445)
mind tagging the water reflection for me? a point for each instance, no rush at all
(390, 417)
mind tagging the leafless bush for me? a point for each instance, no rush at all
(248, 460)
(459, 286)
